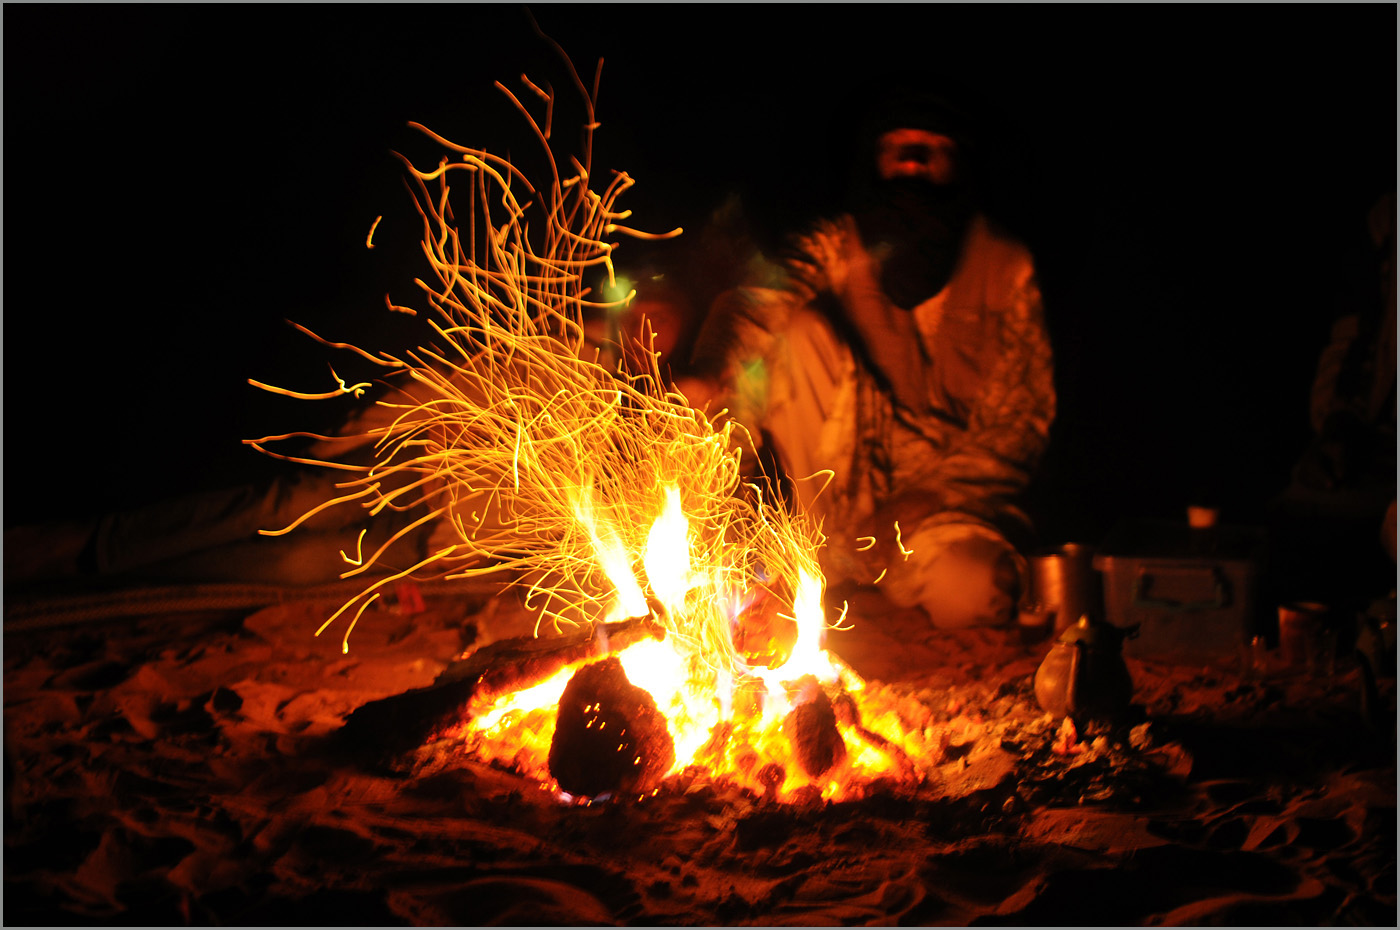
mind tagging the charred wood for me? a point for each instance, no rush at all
(609, 737)
(811, 730)
(378, 732)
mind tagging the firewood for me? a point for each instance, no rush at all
(522, 661)
(811, 730)
(380, 731)
(609, 736)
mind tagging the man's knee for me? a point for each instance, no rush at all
(971, 581)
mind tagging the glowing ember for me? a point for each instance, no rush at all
(740, 731)
(602, 493)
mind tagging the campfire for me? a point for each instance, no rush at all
(625, 722)
(619, 509)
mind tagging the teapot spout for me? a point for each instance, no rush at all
(1072, 691)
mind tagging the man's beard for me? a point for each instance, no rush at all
(915, 229)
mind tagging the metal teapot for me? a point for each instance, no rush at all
(1084, 676)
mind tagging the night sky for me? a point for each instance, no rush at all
(1193, 180)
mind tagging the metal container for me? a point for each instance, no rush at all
(1307, 638)
(1065, 584)
(1192, 591)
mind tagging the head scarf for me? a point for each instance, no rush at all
(914, 227)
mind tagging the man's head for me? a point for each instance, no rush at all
(907, 152)
(907, 129)
(912, 192)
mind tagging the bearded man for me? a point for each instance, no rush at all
(898, 366)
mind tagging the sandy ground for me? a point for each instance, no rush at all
(179, 768)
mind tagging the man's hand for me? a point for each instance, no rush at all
(889, 334)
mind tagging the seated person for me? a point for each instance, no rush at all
(898, 366)
(1333, 528)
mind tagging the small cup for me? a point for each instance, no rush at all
(1306, 640)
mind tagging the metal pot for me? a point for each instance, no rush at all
(1065, 584)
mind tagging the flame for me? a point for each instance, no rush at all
(612, 558)
(667, 557)
(689, 704)
(747, 747)
(700, 702)
(807, 657)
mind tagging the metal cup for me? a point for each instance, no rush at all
(1307, 641)
(1065, 583)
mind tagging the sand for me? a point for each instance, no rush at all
(174, 768)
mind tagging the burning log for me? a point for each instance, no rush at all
(609, 736)
(384, 729)
(848, 713)
(811, 729)
(510, 664)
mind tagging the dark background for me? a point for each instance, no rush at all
(1193, 180)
